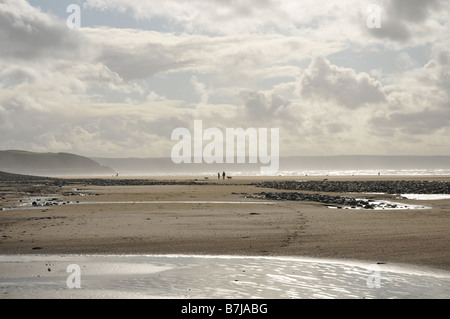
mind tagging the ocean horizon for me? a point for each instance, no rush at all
(302, 173)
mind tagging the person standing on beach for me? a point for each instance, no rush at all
(223, 175)
(218, 175)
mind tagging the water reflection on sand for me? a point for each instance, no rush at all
(195, 276)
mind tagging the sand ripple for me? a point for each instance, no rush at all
(185, 276)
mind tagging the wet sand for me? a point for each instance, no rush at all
(207, 220)
(216, 277)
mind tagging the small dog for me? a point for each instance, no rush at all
(229, 177)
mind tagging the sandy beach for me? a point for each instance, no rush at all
(213, 217)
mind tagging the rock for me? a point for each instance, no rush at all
(388, 187)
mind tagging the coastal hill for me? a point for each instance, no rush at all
(50, 164)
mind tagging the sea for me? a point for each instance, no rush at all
(374, 172)
(301, 173)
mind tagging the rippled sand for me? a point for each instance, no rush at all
(207, 276)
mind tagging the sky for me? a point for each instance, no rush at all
(135, 70)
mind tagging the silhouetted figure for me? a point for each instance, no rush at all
(223, 175)
(218, 175)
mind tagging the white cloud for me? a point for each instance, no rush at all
(323, 81)
(142, 54)
(32, 34)
(419, 101)
(103, 91)
(262, 107)
(230, 17)
(404, 62)
(404, 22)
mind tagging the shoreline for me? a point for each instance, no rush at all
(392, 267)
(213, 276)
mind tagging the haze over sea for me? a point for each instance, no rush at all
(289, 166)
(394, 172)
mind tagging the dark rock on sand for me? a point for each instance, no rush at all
(329, 200)
(388, 187)
(59, 182)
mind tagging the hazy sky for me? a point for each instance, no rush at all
(136, 70)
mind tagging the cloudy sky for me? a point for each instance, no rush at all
(136, 70)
